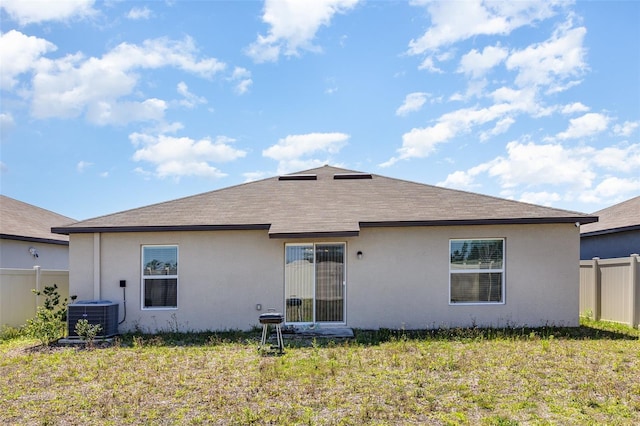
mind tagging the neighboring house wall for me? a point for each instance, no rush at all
(401, 281)
(18, 277)
(613, 245)
(18, 302)
(15, 254)
(610, 289)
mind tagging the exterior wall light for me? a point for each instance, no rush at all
(33, 252)
(359, 254)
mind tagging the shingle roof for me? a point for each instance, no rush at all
(620, 217)
(325, 201)
(22, 221)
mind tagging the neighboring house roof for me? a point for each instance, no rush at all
(326, 201)
(621, 217)
(25, 222)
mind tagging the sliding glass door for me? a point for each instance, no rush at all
(314, 283)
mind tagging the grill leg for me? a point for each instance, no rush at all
(279, 338)
(265, 331)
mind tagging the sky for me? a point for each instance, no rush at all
(108, 106)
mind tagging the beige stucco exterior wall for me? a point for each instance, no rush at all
(15, 254)
(403, 278)
(222, 276)
(401, 281)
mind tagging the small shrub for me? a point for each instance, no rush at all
(49, 323)
(7, 332)
(86, 331)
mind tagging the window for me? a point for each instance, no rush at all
(476, 271)
(160, 276)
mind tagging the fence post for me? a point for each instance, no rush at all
(38, 279)
(633, 289)
(596, 289)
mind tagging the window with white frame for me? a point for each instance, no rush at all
(476, 270)
(159, 277)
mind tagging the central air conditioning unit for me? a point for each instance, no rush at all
(103, 312)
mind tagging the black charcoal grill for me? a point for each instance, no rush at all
(276, 319)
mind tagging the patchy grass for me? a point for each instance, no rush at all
(586, 375)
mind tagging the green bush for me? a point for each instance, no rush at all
(49, 323)
(7, 332)
(86, 331)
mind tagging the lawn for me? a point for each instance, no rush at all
(581, 376)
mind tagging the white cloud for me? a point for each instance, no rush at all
(412, 103)
(147, 175)
(530, 165)
(421, 142)
(163, 52)
(297, 164)
(83, 165)
(19, 54)
(455, 21)
(295, 146)
(575, 173)
(465, 179)
(119, 113)
(624, 159)
(574, 107)
(73, 85)
(293, 26)
(548, 164)
(241, 77)
(190, 100)
(243, 86)
(612, 190)
(475, 88)
(626, 128)
(588, 125)
(552, 62)
(502, 126)
(33, 11)
(183, 156)
(429, 65)
(459, 180)
(478, 64)
(7, 124)
(291, 150)
(331, 85)
(138, 13)
(541, 198)
(254, 176)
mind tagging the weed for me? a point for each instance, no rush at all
(8, 333)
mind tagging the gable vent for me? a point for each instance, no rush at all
(352, 176)
(298, 177)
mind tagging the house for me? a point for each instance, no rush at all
(329, 247)
(616, 234)
(26, 239)
(31, 257)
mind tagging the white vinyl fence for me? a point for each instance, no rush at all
(17, 300)
(610, 289)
